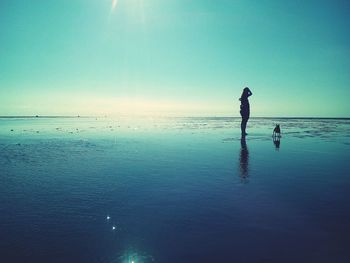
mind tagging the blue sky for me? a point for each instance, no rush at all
(174, 57)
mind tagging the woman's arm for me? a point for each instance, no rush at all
(249, 93)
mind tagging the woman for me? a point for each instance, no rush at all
(245, 109)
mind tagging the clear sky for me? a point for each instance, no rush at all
(174, 57)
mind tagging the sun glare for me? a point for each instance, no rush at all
(133, 8)
(114, 5)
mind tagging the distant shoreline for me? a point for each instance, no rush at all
(174, 117)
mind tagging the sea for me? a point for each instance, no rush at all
(174, 189)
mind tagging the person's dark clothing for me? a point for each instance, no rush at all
(245, 108)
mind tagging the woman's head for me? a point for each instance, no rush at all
(245, 92)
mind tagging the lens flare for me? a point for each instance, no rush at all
(114, 5)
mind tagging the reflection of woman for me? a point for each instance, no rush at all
(245, 109)
(244, 160)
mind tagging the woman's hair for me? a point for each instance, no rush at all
(245, 92)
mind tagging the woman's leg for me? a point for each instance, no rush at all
(244, 125)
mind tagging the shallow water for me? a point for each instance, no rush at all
(175, 189)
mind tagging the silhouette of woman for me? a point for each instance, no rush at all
(245, 109)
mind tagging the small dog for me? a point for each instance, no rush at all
(277, 131)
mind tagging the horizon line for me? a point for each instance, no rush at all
(163, 116)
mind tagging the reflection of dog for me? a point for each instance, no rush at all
(277, 131)
(277, 142)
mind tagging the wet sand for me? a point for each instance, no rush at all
(174, 190)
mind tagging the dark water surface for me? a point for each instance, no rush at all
(176, 190)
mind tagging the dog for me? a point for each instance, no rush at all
(276, 131)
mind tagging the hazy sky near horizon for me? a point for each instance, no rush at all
(174, 57)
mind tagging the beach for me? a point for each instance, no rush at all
(180, 189)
